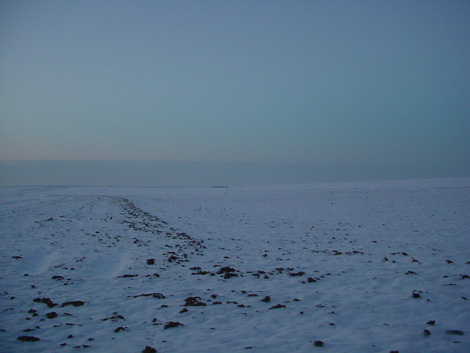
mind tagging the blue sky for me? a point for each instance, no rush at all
(364, 83)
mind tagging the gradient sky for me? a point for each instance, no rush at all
(341, 82)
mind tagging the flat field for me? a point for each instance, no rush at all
(358, 267)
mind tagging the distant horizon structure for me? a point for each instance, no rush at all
(212, 174)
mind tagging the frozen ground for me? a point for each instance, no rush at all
(365, 267)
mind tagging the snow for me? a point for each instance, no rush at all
(361, 267)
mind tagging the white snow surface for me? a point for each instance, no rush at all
(361, 267)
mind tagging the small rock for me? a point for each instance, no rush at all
(114, 318)
(455, 332)
(46, 301)
(432, 322)
(73, 303)
(193, 301)
(202, 273)
(28, 339)
(318, 343)
(149, 350)
(172, 258)
(154, 295)
(52, 315)
(427, 332)
(410, 273)
(296, 274)
(172, 324)
(278, 306)
(266, 299)
(228, 272)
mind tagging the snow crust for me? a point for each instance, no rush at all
(359, 267)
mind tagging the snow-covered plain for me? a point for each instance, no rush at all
(359, 267)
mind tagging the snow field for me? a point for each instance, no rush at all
(359, 267)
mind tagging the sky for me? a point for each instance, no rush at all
(365, 85)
